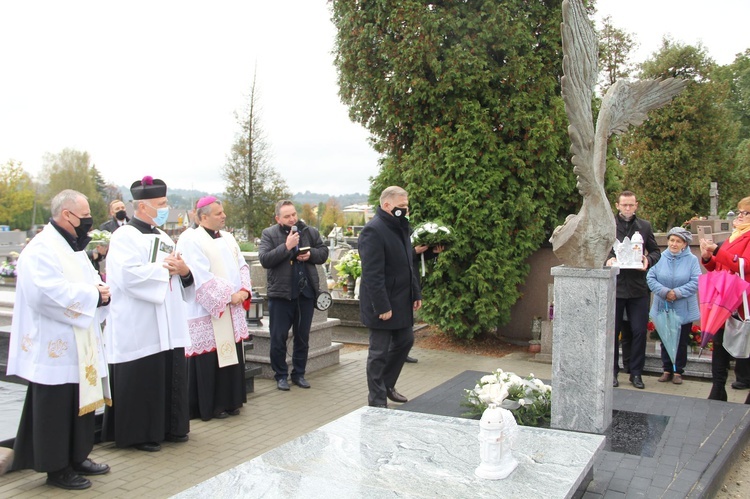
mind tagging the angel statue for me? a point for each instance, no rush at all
(585, 239)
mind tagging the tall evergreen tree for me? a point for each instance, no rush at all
(253, 185)
(674, 156)
(615, 46)
(463, 101)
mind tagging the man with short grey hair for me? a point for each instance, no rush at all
(147, 331)
(389, 294)
(55, 344)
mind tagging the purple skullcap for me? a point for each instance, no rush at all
(205, 201)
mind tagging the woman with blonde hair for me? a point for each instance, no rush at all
(727, 256)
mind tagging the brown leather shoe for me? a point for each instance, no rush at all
(666, 377)
(677, 380)
(392, 394)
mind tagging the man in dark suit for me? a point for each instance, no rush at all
(389, 294)
(118, 216)
(633, 294)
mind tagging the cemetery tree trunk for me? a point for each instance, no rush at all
(462, 99)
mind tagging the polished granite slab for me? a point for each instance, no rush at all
(382, 453)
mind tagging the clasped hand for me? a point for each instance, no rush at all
(104, 292)
(176, 265)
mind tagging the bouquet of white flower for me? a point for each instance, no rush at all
(99, 238)
(433, 233)
(529, 399)
(350, 265)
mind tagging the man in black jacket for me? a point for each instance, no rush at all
(389, 294)
(289, 252)
(118, 214)
(633, 294)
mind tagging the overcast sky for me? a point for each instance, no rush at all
(152, 87)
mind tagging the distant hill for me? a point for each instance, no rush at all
(314, 198)
(178, 198)
(186, 198)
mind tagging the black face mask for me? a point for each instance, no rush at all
(121, 215)
(400, 213)
(84, 227)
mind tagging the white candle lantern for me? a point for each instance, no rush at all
(497, 429)
(629, 252)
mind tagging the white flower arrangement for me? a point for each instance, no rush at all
(350, 265)
(432, 233)
(528, 399)
(99, 238)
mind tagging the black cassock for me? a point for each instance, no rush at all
(213, 389)
(51, 434)
(149, 399)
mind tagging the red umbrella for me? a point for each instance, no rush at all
(720, 294)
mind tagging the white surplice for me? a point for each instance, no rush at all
(147, 313)
(214, 286)
(49, 305)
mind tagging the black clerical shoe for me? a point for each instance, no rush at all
(148, 447)
(739, 385)
(176, 438)
(411, 360)
(395, 396)
(68, 479)
(301, 382)
(234, 412)
(282, 384)
(89, 467)
(637, 381)
(615, 383)
(221, 415)
(382, 406)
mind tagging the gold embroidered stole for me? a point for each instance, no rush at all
(93, 387)
(226, 350)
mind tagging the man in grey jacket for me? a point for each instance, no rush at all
(289, 252)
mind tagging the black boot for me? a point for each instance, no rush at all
(718, 392)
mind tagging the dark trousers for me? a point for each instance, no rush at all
(742, 370)
(637, 309)
(283, 315)
(51, 435)
(626, 337)
(720, 359)
(388, 351)
(681, 360)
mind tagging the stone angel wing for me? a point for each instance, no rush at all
(580, 69)
(628, 103)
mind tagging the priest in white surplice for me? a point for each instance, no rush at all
(56, 344)
(146, 333)
(216, 375)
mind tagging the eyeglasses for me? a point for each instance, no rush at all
(302, 281)
(742, 213)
